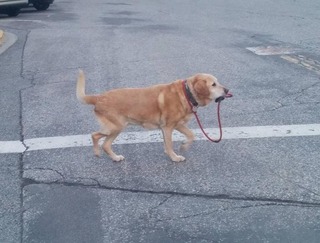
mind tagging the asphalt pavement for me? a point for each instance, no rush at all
(257, 187)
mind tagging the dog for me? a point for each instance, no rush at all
(164, 106)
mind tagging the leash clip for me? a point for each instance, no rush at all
(194, 109)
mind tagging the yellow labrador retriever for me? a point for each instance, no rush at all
(164, 106)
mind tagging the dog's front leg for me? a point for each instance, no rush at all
(167, 136)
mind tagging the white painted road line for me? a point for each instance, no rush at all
(7, 147)
(155, 136)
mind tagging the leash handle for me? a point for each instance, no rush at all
(229, 95)
(219, 124)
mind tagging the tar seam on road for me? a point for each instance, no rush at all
(34, 144)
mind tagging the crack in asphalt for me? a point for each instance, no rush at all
(295, 183)
(280, 104)
(98, 185)
(204, 213)
(150, 211)
(20, 91)
(22, 140)
(22, 54)
(48, 169)
(295, 97)
(299, 93)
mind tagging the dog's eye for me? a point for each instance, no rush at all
(214, 84)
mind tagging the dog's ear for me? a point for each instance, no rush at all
(201, 88)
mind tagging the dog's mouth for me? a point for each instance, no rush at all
(221, 98)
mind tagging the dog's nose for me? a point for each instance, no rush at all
(226, 90)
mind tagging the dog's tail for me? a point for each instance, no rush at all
(82, 97)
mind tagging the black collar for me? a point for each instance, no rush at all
(189, 94)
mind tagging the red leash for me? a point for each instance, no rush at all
(194, 110)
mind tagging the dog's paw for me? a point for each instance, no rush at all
(178, 158)
(184, 146)
(118, 158)
(97, 153)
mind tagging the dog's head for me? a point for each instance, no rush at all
(207, 88)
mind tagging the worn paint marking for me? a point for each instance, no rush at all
(271, 50)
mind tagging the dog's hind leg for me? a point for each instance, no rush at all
(189, 136)
(107, 146)
(95, 140)
(110, 128)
